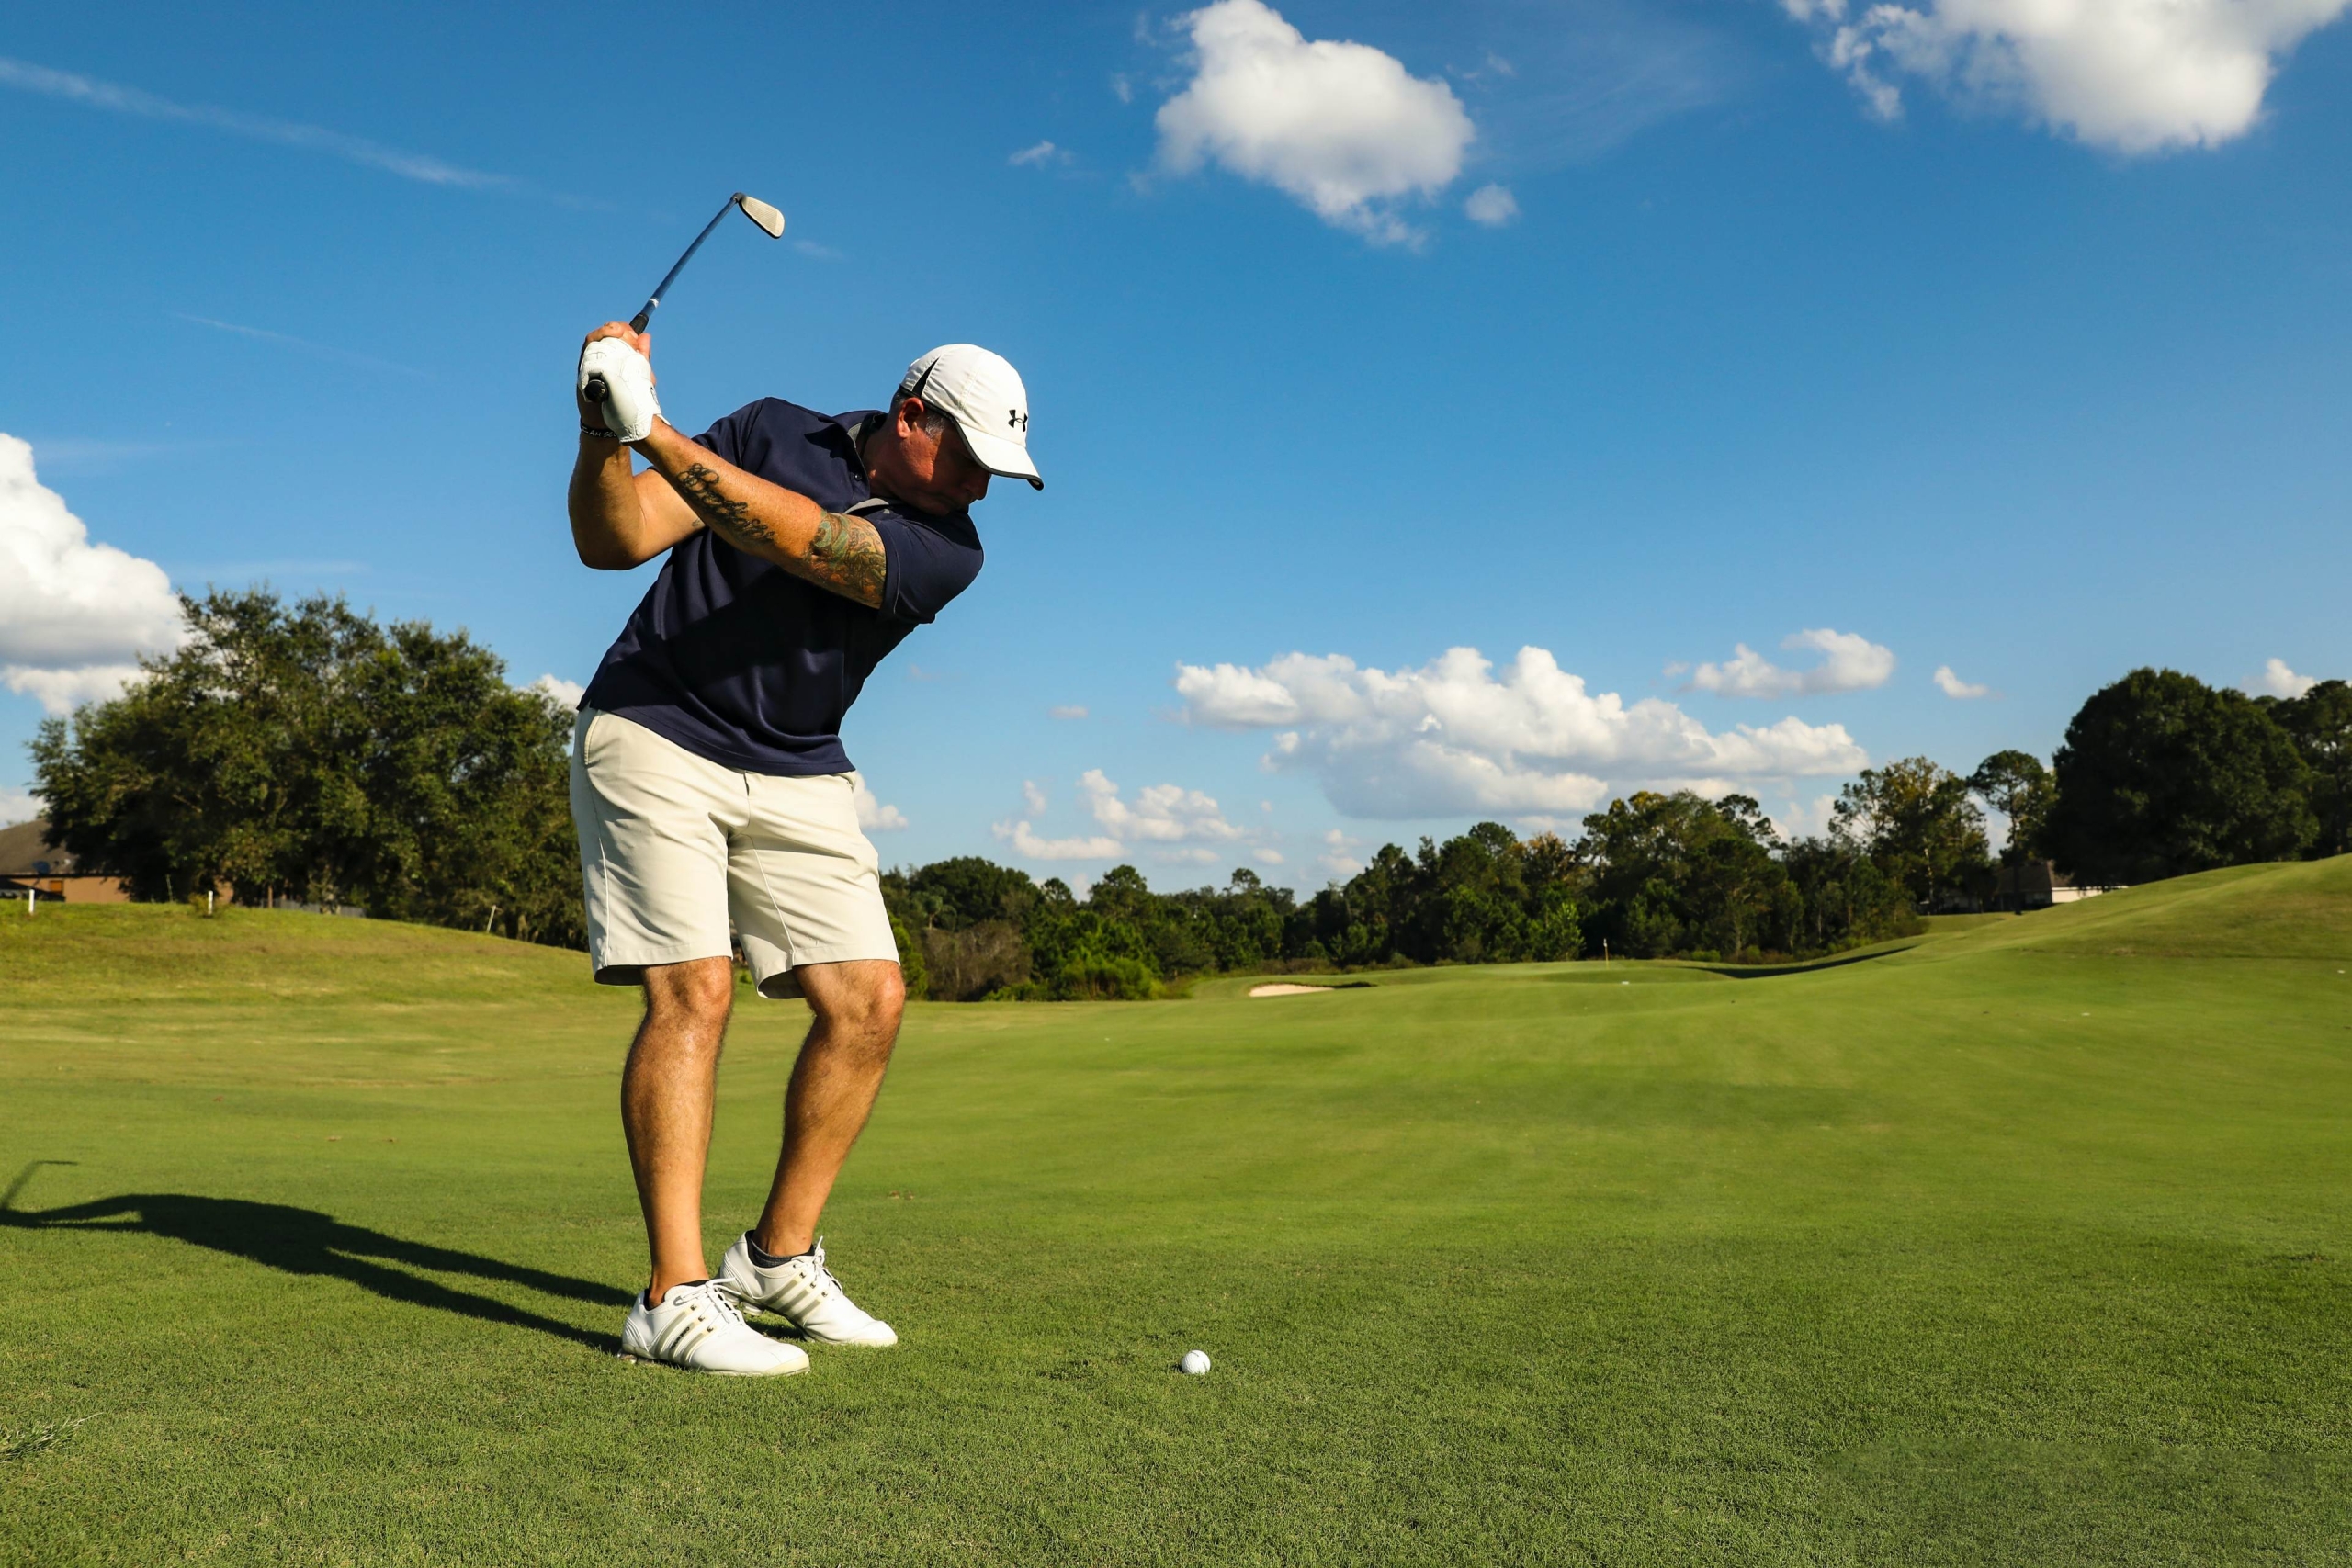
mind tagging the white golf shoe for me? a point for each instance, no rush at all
(802, 1292)
(697, 1327)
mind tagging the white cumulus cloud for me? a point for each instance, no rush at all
(1029, 845)
(74, 615)
(1493, 206)
(1342, 128)
(2278, 680)
(1450, 738)
(562, 692)
(872, 815)
(1849, 662)
(18, 805)
(1170, 821)
(2130, 75)
(1957, 689)
(1162, 814)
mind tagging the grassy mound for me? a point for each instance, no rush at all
(2298, 909)
(177, 951)
(1997, 1250)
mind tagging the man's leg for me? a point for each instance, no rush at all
(857, 1005)
(667, 1092)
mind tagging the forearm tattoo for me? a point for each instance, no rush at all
(731, 516)
(847, 557)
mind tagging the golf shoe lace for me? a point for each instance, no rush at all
(824, 1281)
(722, 1303)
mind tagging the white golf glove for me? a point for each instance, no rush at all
(629, 406)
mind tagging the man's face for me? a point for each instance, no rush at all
(936, 474)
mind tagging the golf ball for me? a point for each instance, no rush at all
(1196, 1362)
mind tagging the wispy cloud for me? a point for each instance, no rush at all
(1042, 153)
(85, 455)
(304, 345)
(1492, 205)
(816, 251)
(1960, 690)
(91, 93)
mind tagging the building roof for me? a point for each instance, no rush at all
(25, 850)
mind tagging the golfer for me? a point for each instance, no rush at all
(711, 789)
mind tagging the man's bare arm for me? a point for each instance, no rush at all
(837, 552)
(620, 519)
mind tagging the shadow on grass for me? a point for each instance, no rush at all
(303, 1241)
(1812, 966)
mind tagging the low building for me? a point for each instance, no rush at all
(30, 862)
(2037, 884)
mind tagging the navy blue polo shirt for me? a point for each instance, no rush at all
(738, 660)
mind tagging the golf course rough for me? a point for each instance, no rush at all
(2030, 1244)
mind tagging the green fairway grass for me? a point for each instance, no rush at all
(2025, 1244)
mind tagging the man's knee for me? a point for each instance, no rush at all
(866, 999)
(699, 992)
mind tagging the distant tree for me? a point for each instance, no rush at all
(1555, 881)
(1915, 820)
(1677, 874)
(305, 752)
(914, 967)
(1097, 950)
(966, 890)
(2015, 785)
(234, 760)
(2162, 774)
(2320, 721)
(1737, 884)
(1839, 897)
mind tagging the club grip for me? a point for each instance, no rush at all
(595, 390)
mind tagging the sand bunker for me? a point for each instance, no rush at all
(1289, 990)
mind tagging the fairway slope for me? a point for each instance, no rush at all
(2287, 909)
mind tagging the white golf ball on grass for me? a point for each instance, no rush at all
(1196, 1362)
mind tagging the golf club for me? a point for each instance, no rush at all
(769, 220)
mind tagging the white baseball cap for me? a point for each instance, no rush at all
(982, 393)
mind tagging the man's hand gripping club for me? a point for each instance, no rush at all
(620, 519)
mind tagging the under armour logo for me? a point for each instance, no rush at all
(1015, 420)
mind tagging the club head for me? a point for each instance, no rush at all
(760, 213)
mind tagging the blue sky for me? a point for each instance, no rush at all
(1956, 345)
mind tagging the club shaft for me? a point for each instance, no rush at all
(653, 301)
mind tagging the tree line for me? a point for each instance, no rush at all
(303, 753)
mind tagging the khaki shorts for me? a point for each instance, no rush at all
(673, 847)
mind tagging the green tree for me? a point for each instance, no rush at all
(1095, 951)
(2162, 774)
(1677, 874)
(2320, 722)
(1915, 820)
(1839, 897)
(2015, 785)
(305, 752)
